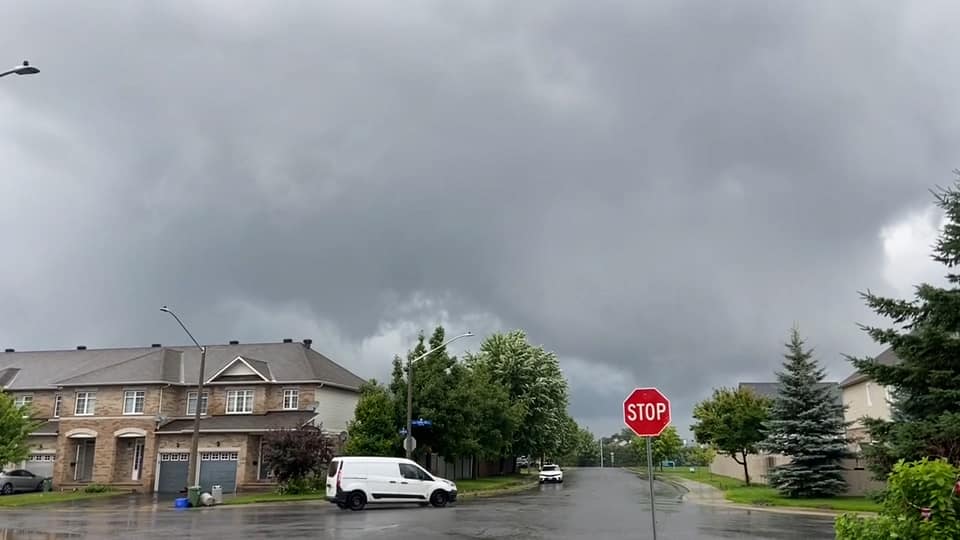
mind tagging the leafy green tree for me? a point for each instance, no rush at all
(806, 424)
(585, 451)
(919, 503)
(666, 446)
(297, 457)
(697, 456)
(533, 380)
(925, 384)
(15, 427)
(732, 422)
(375, 429)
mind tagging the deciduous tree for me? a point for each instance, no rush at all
(732, 422)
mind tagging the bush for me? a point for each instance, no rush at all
(96, 488)
(303, 486)
(919, 503)
(295, 456)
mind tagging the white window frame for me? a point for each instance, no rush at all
(234, 400)
(23, 399)
(89, 403)
(57, 403)
(205, 400)
(294, 399)
(133, 394)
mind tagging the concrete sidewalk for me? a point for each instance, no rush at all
(706, 494)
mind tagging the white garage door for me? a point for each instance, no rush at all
(41, 464)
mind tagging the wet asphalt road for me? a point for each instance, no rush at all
(591, 503)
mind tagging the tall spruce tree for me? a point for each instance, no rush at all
(925, 384)
(806, 424)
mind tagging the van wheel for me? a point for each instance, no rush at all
(356, 501)
(438, 499)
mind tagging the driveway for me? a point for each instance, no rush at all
(592, 503)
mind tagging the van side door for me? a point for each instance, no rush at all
(412, 483)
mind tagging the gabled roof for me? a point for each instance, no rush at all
(286, 362)
(242, 422)
(7, 376)
(771, 389)
(253, 367)
(886, 358)
(151, 367)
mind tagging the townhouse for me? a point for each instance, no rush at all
(864, 398)
(124, 417)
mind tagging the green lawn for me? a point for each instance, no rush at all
(735, 491)
(50, 497)
(494, 483)
(272, 497)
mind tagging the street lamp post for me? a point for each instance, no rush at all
(195, 440)
(25, 69)
(407, 445)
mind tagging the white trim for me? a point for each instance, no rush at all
(203, 413)
(81, 433)
(156, 474)
(130, 432)
(233, 430)
(124, 403)
(226, 401)
(296, 398)
(200, 449)
(234, 361)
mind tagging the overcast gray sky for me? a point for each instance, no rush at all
(656, 191)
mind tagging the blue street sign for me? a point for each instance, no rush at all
(422, 423)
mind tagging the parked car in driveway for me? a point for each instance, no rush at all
(551, 473)
(19, 480)
(354, 482)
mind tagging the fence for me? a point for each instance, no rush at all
(859, 480)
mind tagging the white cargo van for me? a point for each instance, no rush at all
(354, 482)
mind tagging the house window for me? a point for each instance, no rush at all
(291, 399)
(239, 401)
(56, 406)
(86, 403)
(23, 400)
(192, 404)
(133, 401)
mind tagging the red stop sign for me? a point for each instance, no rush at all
(646, 411)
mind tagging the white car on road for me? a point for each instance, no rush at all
(354, 482)
(551, 473)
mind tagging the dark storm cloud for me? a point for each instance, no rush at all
(657, 190)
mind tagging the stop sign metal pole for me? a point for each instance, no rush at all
(653, 512)
(646, 411)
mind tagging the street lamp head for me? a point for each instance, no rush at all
(165, 309)
(25, 69)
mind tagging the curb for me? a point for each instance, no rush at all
(794, 510)
(495, 492)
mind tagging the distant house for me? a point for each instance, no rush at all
(124, 417)
(865, 398)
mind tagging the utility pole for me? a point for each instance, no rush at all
(611, 459)
(601, 452)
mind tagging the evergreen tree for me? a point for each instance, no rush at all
(925, 384)
(806, 424)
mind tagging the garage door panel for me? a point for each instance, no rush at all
(219, 468)
(173, 472)
(41, 464)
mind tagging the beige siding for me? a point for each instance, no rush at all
(864, 399)
(335, 407)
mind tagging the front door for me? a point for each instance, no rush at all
(137, 459)
(84, 460)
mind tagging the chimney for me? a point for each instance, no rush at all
(307, 343)
(156, 345)
(9, 350)
(81, 347)
(287, 340)
(234, 342)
